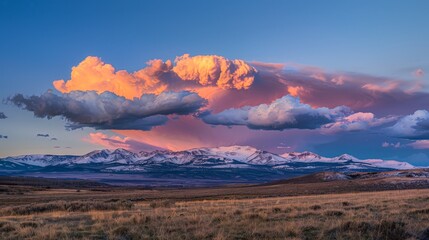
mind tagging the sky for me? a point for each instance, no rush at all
(330, 77)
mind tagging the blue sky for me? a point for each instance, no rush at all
(42, 40)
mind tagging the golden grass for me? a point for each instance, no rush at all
(401, 214)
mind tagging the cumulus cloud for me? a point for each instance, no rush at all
(42, 135)
(92, 74)
(357, 122)
(215, 70)
(388, 144)
(284, 113)
(114, 142)
(3, 136)
(109, 111)
(414, 126)
(2, 115)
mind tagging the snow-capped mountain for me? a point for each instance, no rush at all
(233, 162)
(199, 156)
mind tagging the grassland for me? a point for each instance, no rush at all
(398, 214)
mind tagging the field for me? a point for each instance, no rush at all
(294, 209)
(399, 214)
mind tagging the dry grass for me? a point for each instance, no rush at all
(402, 214)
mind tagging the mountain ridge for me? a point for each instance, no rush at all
(230, 155)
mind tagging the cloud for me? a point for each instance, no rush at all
(360, 92)
(357, 122)
(42, 135)
(109, 111)
(394, 145)
(420, 144)
(3, 136)
(92, 74)
(414, 126)
(384, 87)
(284, 113)
(234, 84)
(54, 139)
(419, 73)
(114, 142)
(215, 70)
(2, 115)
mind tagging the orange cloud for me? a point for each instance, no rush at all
(215, 70)
(158, 76)
(93, 74)
(294, 91)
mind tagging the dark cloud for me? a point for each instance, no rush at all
(284, 113)
(54, 139)
(109, 111)
(3, 136)
(414, 126)
(2, 115)
(42, 135)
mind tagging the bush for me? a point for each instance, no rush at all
(334, 213)
(315, 207)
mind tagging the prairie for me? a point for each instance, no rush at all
(398, 214)
(301, 208)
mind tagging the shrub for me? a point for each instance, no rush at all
(315, 207)
(334, 213)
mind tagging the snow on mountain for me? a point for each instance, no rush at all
(306, 157)
(220, 157)
(388, 164)
(39, 160)
(119, 155)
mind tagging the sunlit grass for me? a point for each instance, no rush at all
(376, 215)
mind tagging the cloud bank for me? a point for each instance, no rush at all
(238, 96)
(284, 113)
(92, 74)
(2, 115)
(109, 111)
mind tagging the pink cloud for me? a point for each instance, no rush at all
(419, 73)
(385, 87)
(420, 144)
(357, 122)
(114, 142)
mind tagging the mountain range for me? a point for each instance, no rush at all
(232, 164)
